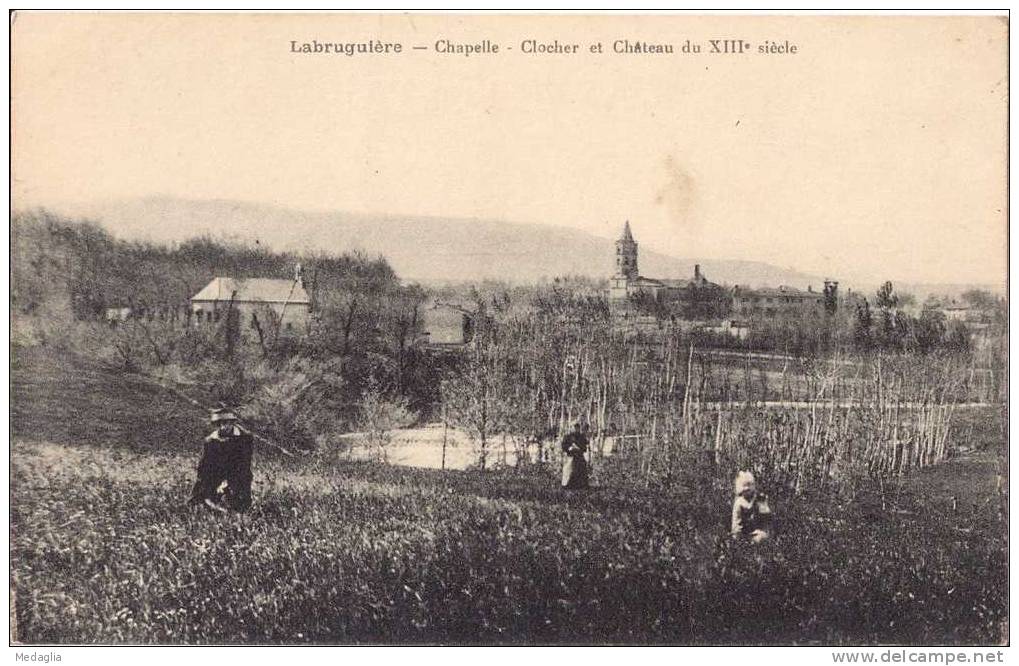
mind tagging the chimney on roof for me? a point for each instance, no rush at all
(697, 272)
(299, 275)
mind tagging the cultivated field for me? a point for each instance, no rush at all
(339, 551)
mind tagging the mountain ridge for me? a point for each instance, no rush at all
(428, 249)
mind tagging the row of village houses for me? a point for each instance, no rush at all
(745, 306)
(446, 323)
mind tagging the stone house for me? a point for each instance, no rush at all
(267, 301)
(776, 302)
(446, 324)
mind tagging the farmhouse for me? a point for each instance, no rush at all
(446, 324)
(974, 319)
(773, 302)
(268, 301)
(114, 316)
(731, 327)
(955, 311)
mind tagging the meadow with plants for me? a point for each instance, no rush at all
(880, 439)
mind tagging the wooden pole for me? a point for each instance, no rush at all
(444, 432)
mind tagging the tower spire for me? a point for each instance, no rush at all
(626, 254)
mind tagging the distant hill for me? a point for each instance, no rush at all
(426, 249)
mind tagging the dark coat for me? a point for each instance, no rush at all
(575, 439)
(575, 470)
(226, 456)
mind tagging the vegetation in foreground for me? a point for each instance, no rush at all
(333, 552)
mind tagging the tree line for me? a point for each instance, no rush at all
(362, 336)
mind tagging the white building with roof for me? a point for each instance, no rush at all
(267, 301)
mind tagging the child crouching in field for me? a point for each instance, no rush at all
(751, 515)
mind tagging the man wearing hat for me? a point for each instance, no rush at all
(226, 458)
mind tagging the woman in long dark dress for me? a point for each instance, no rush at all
(575, 471)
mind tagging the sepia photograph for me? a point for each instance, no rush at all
(510, 329)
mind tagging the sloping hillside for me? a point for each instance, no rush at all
(419, 248)
(65, 399)
(103, 550)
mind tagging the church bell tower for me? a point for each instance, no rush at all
(626, 255)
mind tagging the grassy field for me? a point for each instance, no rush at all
(335, 551)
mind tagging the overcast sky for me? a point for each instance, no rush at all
(878, 149)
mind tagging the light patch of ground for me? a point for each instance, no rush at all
(433, 446)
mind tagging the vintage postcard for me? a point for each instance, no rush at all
(510, 329)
